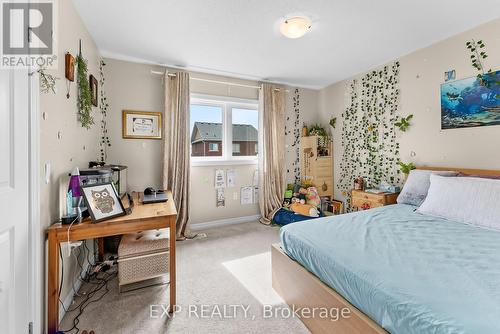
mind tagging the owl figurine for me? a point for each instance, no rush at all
(102, 200)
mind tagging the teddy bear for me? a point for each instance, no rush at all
(299, 206)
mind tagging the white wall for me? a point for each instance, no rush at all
(77, 146)
(132, 86)
(422, 73)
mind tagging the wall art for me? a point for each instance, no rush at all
(141, 124)
(471, 102)
(93, 90)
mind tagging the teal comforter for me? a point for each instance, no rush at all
(410, 273)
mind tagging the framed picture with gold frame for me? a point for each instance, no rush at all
(141, 124)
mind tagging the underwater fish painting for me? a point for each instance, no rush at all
(471, 102)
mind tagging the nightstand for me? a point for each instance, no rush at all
(364, 200)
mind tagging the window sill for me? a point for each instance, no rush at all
(201, 163)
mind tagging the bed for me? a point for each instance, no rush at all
(397, 270)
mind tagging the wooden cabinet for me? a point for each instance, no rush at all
(316, 164)
(365, 200)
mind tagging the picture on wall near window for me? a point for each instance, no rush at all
(141, 124)
(102, 201)
(471, 102)
(246, 195)
(220, 197)
(220, 178)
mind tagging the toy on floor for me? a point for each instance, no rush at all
(288, 198)
(312, 197)
(299, 206)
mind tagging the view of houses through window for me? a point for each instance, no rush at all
(215, 123)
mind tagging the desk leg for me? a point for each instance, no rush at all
(53, 285)
(173, 236)
(100, 247)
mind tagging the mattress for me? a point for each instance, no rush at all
(409, 272)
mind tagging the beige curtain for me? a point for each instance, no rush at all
(272, 148)
(176, 146)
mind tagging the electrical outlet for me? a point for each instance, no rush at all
(75, 244)
(67, 248)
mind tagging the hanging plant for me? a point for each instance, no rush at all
(84, 94)
(478, 55)
(47, 81)
(404, 123)
(103, 106)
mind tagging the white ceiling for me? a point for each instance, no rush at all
(241, 37)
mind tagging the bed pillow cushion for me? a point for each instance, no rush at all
(469, 200)
(416, 186)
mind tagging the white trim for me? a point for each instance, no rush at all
(68, 300)
(207, 162)
(36, 263)
(219, 98)
(223, 222)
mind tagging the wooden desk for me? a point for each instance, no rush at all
(143, 217)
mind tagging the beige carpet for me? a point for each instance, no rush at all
(223, 282)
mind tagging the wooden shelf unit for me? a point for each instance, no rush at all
(316, 168)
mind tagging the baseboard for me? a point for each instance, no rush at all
(223, 222)
(68, 300)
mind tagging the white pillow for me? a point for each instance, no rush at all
(416, 186)
(469, 200)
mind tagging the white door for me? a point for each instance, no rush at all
(14, 205)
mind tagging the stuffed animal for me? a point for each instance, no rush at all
(312, 197)
(298, 206)
(302, 194)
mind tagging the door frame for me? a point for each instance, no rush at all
(36, 235)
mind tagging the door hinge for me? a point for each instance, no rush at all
(30, 327)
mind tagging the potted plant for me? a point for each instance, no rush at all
(406, 168)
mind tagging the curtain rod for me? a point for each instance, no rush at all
(213, 81)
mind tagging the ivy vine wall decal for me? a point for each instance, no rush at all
(368, 135)
(104, 141)
(292, 139)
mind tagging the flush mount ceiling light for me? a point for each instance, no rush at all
(295, 27)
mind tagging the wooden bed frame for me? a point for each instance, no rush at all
(302, 289)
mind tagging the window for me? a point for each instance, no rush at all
(206, 132)
(223, 129)
(245, 131)
(213, 147)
